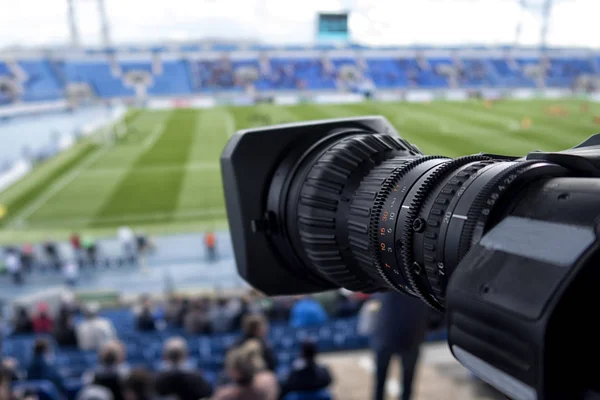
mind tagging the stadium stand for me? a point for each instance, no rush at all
(226, 68)
(206, 351)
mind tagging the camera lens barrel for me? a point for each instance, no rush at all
(368, 211)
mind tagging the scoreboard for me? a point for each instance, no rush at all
(332, 27)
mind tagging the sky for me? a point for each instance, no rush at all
(372, 22)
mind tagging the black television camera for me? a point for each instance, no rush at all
(508, 247)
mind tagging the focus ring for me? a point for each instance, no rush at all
(364, 206)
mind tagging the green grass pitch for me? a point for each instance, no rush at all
(163, 175)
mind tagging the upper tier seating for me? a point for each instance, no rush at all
(45, 79)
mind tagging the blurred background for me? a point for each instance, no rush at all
(117, 277)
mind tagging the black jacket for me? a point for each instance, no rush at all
(111, 380)
(185, 385)
(306, 376)
(65, 336)
(401, 322)
(145, 323)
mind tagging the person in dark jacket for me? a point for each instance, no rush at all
(145, 321)
(255, 326)
(399, 330)
(22, 324)
(179, 379)
(41, 368)
(139, 385)
(306, 374)
(64, 329)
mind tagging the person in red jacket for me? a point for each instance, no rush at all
(42, 322)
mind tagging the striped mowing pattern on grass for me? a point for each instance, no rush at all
(164, 173)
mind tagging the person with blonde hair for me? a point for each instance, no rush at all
(248, 371)
(112, 369)
(256, 328)
(178, 378)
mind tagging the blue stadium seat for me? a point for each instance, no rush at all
(127, 66)
(98, 75)
(42, 84)
(73, 386)
(174, 80)
(316, 395)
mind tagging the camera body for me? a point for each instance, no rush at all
(517, 240)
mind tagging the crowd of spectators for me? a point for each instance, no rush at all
(84, 252)
(250, 362)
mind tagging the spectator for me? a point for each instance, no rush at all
(71, 273)
(255, 328)
(307, 312)
(42, 322)
(306, 374)
(177, 378)
(77, 248)
(197, 321)
(22, 323)
(248, 371)
(145, 320)
(94, 331)
(75, 242)
(13, 265)
(40, 367)
(64, 329)
(91, 249)
(128, 243)
(173, 311)
(222, 316)
(183, 312)
(6, 384)
(51, 251)
(399, 329)
(27, 257)
(138, 385)
(112, 370)
(210, 243)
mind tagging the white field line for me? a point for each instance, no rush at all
(154, 135)
(56, 188)
(130, 218)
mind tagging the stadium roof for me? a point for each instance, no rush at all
(372, 22)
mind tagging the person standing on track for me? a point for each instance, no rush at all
(399, 329)
(210, 243)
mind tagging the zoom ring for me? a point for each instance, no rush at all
(325, 193)
(434, 267)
